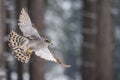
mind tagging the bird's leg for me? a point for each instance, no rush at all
(28, 51)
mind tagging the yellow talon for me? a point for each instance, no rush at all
(28, 51)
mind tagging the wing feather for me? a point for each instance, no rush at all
(26, 27)
(47, 55)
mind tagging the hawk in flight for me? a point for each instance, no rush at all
(30, 42)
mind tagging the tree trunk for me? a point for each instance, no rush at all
(105, 41)
(2, 42)
(89, 40)
(19, 4)
(37, 67)
(98, 40)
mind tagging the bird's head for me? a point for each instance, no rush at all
(48, 41)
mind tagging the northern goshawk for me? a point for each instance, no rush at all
(30, 42)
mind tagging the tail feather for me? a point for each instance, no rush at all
(17, 43)
(21, 55)
(16, 40)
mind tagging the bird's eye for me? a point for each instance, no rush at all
(46, 40)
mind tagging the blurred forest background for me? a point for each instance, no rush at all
(85, 33)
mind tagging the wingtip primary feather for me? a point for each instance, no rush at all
(61, 63)
(66, 66)
(23, 11)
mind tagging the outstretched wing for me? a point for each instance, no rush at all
(47, 55)
(26, 27)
